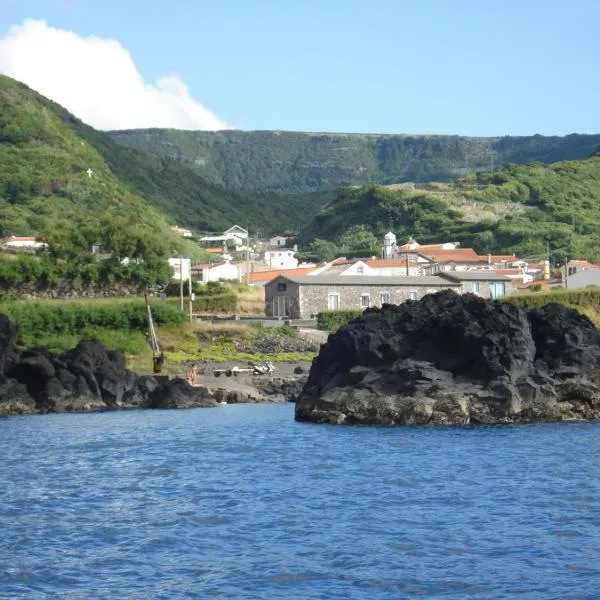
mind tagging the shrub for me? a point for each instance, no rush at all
(586, 297)
(38, 320)
(217, 303)
(332, 320)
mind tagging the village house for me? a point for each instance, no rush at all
(181, 231)
(261, 278)
(304, 297)
(279, 241)
(487, 284)
(575, 266)
(582, 278)
(280, 258)
(386, 267)
(15, 242)
(215, 272)
(234, 239)
(181, 268)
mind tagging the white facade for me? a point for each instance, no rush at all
(389, 245)
(29, 243)
(181, 231)
(413, 271)
(181, 266)
(358, 268)
(281, 259)
(217, 272)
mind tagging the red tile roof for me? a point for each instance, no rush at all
(498, 258)
(458, 255)
(268, 275)
(583, 263)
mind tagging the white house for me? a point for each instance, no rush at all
(279, 241)
(181, 231)
(374, 267)
(181, 266)
(216, 272)
(24, 242)
(235, 238)
(280, 259)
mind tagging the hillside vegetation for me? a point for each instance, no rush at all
(295, 162)
(45, 153)
(524, 209)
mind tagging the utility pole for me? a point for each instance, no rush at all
(180, 282)
(191, 295)
(248, 259)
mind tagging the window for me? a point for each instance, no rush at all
(281, 287)
(496, 289)
(384, 299)
(360, 270)
(474, 287)
(365, 300)
(333, 301)
(412, 295)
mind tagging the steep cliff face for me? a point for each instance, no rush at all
(457, 360)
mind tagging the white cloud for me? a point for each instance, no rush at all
(97, 80)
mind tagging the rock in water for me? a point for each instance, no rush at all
(456, 359)
(87, 377)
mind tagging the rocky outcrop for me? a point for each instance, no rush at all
(286, 389)
(88, 377)
(456, 359)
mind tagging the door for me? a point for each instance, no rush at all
(281, 306)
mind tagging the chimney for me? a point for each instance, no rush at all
(489, 259)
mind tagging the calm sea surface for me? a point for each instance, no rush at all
(242, 502)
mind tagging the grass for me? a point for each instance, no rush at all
(585, 300)
(205, 342)
(251, 301)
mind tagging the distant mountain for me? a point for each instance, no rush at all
(45, 153)
(294, 162)
(527, 209)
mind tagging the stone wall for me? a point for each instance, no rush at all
(275, 289)
(314, 298)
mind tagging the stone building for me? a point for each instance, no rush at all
(305, 297)
(487, 284)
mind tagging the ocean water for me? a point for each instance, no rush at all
(242, 502)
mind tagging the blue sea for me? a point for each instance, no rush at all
(243, 502)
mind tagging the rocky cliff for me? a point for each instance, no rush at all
(456, 359)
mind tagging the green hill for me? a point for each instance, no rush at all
(44, 183)
(526, 209)
(44, 156)
(294, 162)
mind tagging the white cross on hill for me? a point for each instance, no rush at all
(89, 172)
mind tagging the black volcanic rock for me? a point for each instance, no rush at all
(88, 377)
(178, 393)
(452, 358)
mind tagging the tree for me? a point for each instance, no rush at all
(324, 250)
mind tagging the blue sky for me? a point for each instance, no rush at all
(470, 67)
